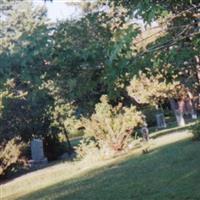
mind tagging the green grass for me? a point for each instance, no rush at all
(170, 129)
(168, 173)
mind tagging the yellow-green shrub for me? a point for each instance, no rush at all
(150, 90)
(10, 153)
(112, 127)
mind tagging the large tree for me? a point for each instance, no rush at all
(24, 52)
(78, 59)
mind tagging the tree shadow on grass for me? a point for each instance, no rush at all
(171, 172)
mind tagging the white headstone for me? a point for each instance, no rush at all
(37, 151)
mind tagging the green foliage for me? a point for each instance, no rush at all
(25, 116)
(119, 55)
(24, 41)
(175, 45)
(196, 130)
(112, 127)
(150, 10)
(64, 117)
(25, 48)
(3, 95)
(78, 56)
(25, 44)
(150, 115)
(10, 155)
(88, 149)
(150, 90)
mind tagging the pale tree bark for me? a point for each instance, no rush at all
(197, 59)
(190, 105)
(178, 111)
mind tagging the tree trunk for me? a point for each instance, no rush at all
(197, 59)
(190, 105)
(68, 141)
(178, 111)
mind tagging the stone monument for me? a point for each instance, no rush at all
(160, 119)
(194, 114)
(37, 152)
(145, 133)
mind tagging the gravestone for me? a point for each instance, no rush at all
(160, 119)
(145, 133)
(194, 114)
(145, 137)
(37, 152)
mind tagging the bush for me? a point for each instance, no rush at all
(11, 156)
(87, 147)
(112, 127)
(196, 130)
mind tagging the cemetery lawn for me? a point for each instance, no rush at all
(168, 172)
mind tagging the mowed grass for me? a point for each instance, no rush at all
(168, 173)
